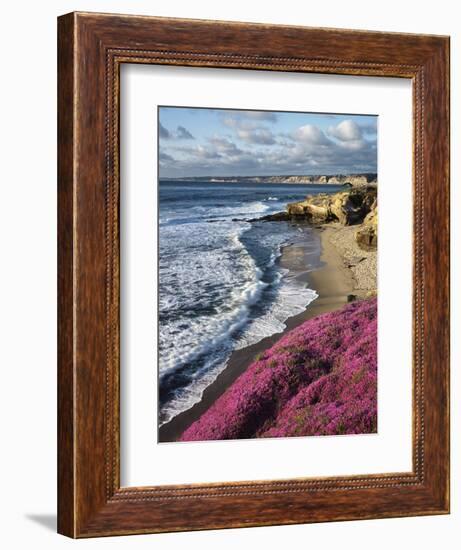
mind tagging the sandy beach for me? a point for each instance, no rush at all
(343, 273)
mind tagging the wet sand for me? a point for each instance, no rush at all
(333, 282)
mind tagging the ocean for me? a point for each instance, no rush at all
(221, 287)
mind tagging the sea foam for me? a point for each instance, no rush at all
(221, 288)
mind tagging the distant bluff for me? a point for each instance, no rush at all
(336, 179)
(339, 179)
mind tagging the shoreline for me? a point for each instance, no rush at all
(333, 282)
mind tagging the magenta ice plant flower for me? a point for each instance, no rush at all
(319, 379)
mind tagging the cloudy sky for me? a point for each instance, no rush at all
(225, 142)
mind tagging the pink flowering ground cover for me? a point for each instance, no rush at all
(319, 379)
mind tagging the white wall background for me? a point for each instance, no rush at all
(28, 272)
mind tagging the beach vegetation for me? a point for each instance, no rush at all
(319, 379)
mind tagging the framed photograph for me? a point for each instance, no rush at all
(240, 341)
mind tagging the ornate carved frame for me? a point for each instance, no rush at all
(91, 49)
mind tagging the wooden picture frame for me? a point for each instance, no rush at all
(92, 48)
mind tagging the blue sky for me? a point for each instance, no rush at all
(225, 142)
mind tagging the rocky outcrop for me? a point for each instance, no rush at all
(347, 207)
(367, 235)
(315, 209)
(277, 217)
(354, 207)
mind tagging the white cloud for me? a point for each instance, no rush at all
(247, 126)
(240, 123)
(347, 130)
(260, 136)
(311, 134)
(350, 135)
(252, 147)
(224, 145)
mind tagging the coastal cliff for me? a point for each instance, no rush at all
(349, 221)
(356, 207)
(338, 179)
(319, 179)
